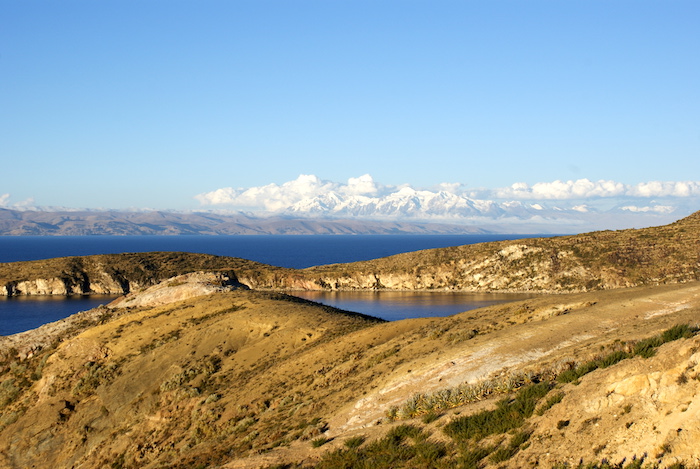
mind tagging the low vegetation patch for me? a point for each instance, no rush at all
(490, 436)
(509, 414)
(404, 446)
(644, 348)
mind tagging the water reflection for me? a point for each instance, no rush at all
(393, 306)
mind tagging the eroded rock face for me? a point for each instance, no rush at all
(639, 407)
(104, 285)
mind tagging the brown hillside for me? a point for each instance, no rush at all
(248, 379)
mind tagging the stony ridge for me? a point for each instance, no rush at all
(586, 262)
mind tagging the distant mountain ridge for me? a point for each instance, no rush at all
(593, 261)
(78, 223)
(323, 216)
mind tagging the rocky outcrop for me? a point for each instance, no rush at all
(113, 274)
(67, 286)
(182, 287)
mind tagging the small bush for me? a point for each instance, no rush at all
(647, 348)
(471, 458)
(355, 441)
(320, 441)
(550, 402)
(430, 417)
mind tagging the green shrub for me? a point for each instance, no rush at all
(508, 414)
(320, 441)
(430, 417)
(355, 441)
(647, 348)
(551, 401)
(470, 458)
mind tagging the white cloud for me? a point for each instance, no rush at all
(584, 189)
(665, 189)
(654, 209)
(223, 196)
(561, 190)
(274, 197)
(364, 185)
(451, 187)
(27, 204)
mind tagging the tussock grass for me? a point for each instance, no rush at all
(634, 463)
(404, 446)
(509, 414)
(434, 403)
(476, 437)
(427, 403)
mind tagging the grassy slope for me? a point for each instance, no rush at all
(225, 377)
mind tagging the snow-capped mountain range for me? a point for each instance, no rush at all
(572, 205)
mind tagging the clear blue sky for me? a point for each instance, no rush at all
(121, 103)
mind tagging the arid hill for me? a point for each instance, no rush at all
(228, 377)
(586, 262)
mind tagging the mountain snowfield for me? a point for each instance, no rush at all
(575, 204)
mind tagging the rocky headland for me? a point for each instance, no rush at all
(587, 262)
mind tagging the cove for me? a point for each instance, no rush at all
(394, 306)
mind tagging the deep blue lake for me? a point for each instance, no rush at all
(21, 314)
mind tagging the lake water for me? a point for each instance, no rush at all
(21, 314)
(394, 306)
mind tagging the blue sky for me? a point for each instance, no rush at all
(148, 104)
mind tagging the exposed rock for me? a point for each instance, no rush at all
(640, 407)
(182, 287)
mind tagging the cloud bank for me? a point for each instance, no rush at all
(585, 189)
(273, 197)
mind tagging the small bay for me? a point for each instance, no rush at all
(294, 251)
(393, 305)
